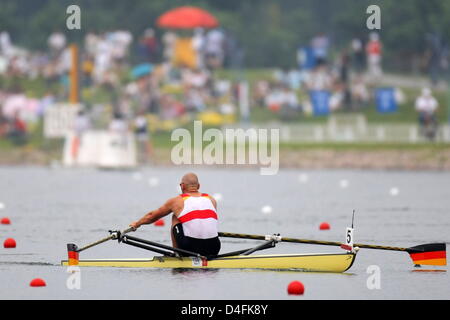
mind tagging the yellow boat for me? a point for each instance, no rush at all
(176, 258)
(312, 262)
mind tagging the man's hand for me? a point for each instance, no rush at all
(134, 225)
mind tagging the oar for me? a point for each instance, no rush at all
(73, 251)
(425, 254)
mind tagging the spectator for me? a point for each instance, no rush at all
(426, 106)
(171, 108)
(87, 70)
(14, 103)
(274, 100)
(149, 46)
(436, 56)
(282, 76)
(169, 39)
(357, 55)
(214, 49)
(121, 41)
(320, 45)
(290, 106)
(82, 123)
(4, 127)
(6, 47)
(143, 137)
(294, 78)
(374, 56)
(90, 43)
(289, 99)
(196, 78)
(119, 126)
(56, 43)
(344, 79)
(360, 93)
(198, 43)
(281, 98)
(338, 97)
(195, 100)
(18, 130)
(319, 79)
(102, 59)
(262, 89)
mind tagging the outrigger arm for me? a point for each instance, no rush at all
(169, 251)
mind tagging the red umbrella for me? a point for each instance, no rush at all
(187, 18)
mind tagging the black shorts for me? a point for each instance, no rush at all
(205, 247)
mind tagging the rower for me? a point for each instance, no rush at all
(194, 219)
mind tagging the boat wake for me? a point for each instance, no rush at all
(26, 263)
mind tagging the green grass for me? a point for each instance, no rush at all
(162, 140)
(250, 75)
(34, 88)
(35, 140)
(5, 144)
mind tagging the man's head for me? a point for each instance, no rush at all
(189, 183)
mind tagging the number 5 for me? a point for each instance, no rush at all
(349, 237)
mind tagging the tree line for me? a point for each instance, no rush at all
(268, 31)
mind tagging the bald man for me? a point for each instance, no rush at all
(194, 219)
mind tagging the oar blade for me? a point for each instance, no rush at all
(432, 254)
(72, 252)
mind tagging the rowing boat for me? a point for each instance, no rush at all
(177, 258)
(314, 262)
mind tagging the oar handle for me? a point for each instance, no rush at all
(130, 229)
(112, 236)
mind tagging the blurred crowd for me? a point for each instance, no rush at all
(348, 78)
(172, 75)
(167, 75)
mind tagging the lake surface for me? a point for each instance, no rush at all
(50, 207)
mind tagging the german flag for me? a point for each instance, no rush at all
(73, 254)
(433, 254)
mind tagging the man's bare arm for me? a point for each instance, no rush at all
(214, 202)
(155, 215)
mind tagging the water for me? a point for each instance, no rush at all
(51, 207)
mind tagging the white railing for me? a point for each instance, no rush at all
(353, 130)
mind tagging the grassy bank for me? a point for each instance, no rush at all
(394, 156)
(38, 150)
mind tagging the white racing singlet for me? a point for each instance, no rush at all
(198, 217)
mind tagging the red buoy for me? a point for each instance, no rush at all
(159, 223)
(37, 283)
(324, 226)
(5, 220)
(9, 243)
(296, 288)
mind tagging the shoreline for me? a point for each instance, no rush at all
(317, 158)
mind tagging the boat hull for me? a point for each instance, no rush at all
(332, 262)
